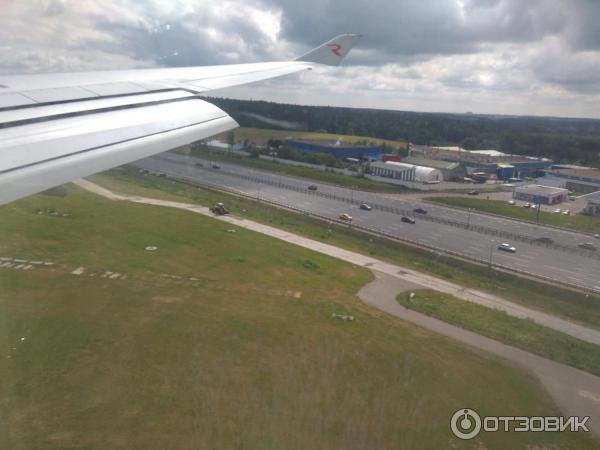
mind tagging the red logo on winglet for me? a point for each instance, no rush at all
(335, 48)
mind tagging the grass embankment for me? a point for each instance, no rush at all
(576, 306)
(236, 349)
(498, 325)
(578, 222)
(260, 136)
(310, 173)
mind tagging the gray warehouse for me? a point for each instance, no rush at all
(593, 204)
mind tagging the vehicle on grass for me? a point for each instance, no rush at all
(512, 202)
(420, 211)
(557, 211)
(566, 212)
(407, 219)
(219, 209)
(507, 248)
(312, 187)
(365, 206)
(473, 193)
(527, 205)
(587, 246)
(346, 217)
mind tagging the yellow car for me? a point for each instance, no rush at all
(346, 217)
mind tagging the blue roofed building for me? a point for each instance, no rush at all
(337, 149)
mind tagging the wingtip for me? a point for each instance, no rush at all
(333, 51)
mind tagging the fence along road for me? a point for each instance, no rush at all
(570, 267)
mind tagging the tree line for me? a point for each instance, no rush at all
(565, 140)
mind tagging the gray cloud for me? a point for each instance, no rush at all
(426, 54)
(405, 29)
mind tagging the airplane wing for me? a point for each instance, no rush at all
(55, 128)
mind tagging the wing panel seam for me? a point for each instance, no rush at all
(14, 169)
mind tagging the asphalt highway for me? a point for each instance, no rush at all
(566, 264)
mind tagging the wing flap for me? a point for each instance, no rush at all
(39, 156)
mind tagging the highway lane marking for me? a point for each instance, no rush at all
(562, 270)
(520, 264)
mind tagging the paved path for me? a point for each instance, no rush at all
(576, 392)
(420, 279)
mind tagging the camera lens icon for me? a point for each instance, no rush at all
(465, 424)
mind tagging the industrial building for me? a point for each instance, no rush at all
(545, 195)
(505, 171)
(406, 172)
(455, 153)
(592, 207)
(488, 161)
(337, 149)
(584, 180)
(394, 170)
(450, 170)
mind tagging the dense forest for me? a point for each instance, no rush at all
(561, 139)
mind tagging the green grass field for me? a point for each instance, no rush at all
(310, 173)
(498, 325)
(576, 306)
(221, 340)
(588, 224)
(262, 135)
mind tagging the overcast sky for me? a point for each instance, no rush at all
(537, 57)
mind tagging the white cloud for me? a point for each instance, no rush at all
(489, 56)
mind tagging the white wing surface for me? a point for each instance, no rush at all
(55, 128)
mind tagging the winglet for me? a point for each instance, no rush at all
(331, 52)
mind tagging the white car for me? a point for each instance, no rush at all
(557, 211)
(597, 236)
(511, 202)
(566, 212)
(507, 247)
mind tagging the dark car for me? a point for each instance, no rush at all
(312, 187)
(216, 166)
(473, 192)
(420, 211)
(407, 219)
(545, 240)
(219, 209)
(366, 207)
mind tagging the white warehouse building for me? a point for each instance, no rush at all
(406, 172)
